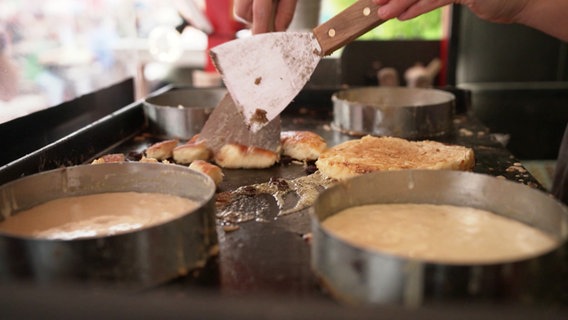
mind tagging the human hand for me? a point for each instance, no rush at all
(258, 13)
(503, 11)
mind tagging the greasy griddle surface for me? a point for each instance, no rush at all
(271, 255)
(274, 255)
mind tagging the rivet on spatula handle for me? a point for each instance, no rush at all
(348, 25)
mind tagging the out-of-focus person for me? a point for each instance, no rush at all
(9, 76)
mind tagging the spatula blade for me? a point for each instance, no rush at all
(264, 72)
(226, 125)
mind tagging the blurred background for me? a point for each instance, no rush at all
(55, 50)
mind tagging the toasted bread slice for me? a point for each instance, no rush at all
(368, 154)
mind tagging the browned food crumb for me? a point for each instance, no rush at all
(258, 80)
(516, 168)
(532, 184)
(259, 116)
(231, 228)
(148, 160)
(465, 132)
(110, 158)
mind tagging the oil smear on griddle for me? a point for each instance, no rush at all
(270, 200)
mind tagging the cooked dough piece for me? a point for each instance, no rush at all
(209, 169)
(148, 160)
(161, 150)
(110, 158)
(195, 139)
(368, 154)
(191, 151)
(240, 156)
(302, 145)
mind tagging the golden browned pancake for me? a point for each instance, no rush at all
(240, 156)
(209, 169)
(302, 145)
(161, 150)
(368, 154)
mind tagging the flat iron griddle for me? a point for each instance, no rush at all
(269, 257)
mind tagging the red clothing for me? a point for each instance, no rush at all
(225, 27)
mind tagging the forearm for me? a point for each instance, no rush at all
(549, 16)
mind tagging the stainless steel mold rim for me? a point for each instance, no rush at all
(410, 113)
(181, 113)
(132, 260)
(360, 277)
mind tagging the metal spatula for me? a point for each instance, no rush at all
(227, 125)
(265, 72)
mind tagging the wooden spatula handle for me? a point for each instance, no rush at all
(348, 25)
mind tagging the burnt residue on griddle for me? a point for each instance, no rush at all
(270, 200)
(243, 208)
(134, 156)
(309, 165)
(280, 184)
(286, 160)
(310, 168)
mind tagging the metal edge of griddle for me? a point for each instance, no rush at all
(81, 145)
(121, 125)
(23, 135)
(115, 132)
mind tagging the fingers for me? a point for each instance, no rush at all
(284, 14)
(381, 2)
(422, 7)
(261, 16)
(392, 9)
(259, 13)
(407, 9)
(243, 10)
